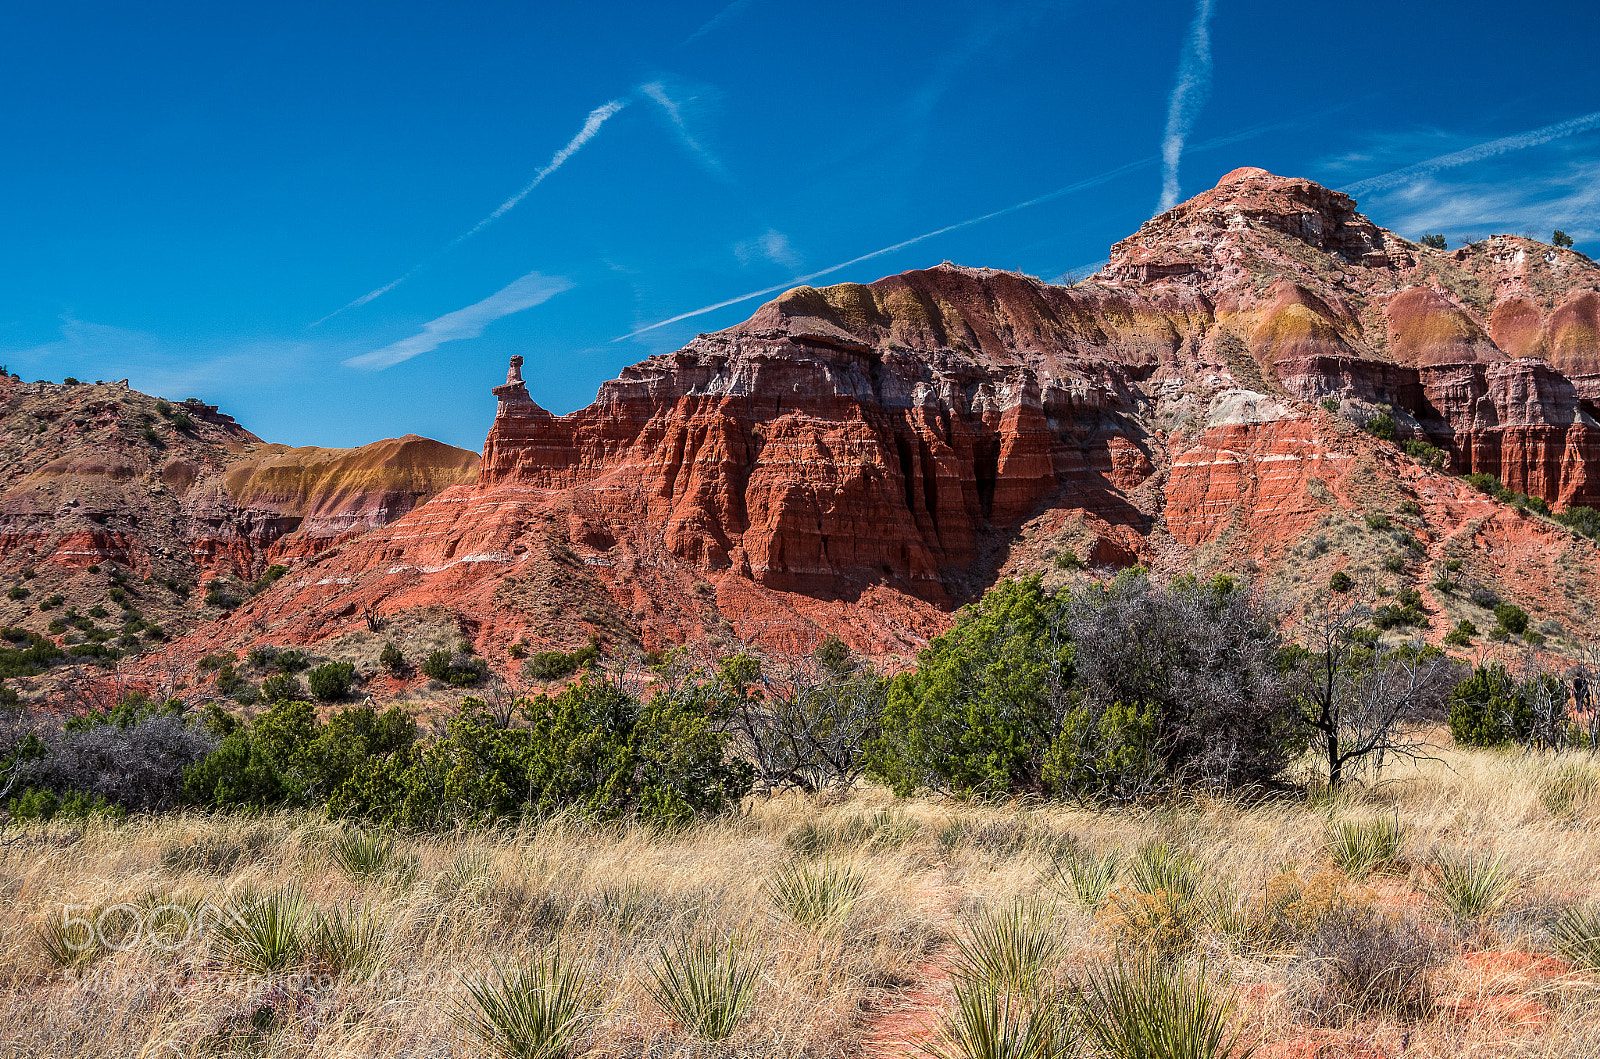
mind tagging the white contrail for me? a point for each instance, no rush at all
(808, 277)
(1517, 142)
(591, 125)
(523, 293)
(674, 112)
(597, 117)
(1188, 96)
(716, 20)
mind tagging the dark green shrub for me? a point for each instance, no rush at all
(551, 665)
(1340, 581)
(1483, 483)
(282, 687)
(1381, 426)
(52, 601)
(1584, 520)
(1423, 452)
(164, 408)
(391, 659)
(1561, 239)
(289, 660)
(215, 661)
(457, 670)
(1122, 690)
(1489, 709)
(1511, 617)
(1377, 521)
(331, 680)
(18, 592)
(1434, 241)
(182, 421)
(1461, 635)
(270, 577)
(1330, 404)
(1394, 563)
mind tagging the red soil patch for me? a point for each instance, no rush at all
(902, 1021)
(1324, 1044)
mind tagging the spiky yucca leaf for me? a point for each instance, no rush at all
(363, 854)
(1361, 847)
(1160, 867)
(990, 1023)
(1144, 1008)
(1470, 887)
(534, 1011)
(348, 941)
(816, 895)
(1089, 879)
(1011, 948)
(264, 933)
(1577, 936)
(705, 986)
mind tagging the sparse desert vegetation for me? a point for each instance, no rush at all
(1448, 910)
(1130, 819)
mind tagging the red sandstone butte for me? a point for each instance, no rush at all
(860, 459)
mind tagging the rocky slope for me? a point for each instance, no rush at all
(103, 487)
(859, 459)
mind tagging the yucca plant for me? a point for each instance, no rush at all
(1577, 936)
(705, 986)
(363, 854)
(1011, 949)
(1143, 1008)
(1470, 887)
(534, 1011)
(70, 940)
(171, 918)
(1160, 867)
(347, 941)
(469, 876)
(622, 908)
(1089, 879)
(989, 1023)
(264, 933)
(816, 895)
(1359, 848)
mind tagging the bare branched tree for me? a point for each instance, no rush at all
(1361, 699)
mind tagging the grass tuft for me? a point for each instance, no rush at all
(1010, 949)
(1144, 1008)
(1470, 887)
(1576, 932)
(530, 1012)
(704, 986)
(1361, 847)
(816, 895)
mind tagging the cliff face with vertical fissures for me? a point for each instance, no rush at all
(860, 459)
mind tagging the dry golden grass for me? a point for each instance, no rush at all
(455, 906)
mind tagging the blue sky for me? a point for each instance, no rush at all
(337, 221)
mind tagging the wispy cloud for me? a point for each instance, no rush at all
(771, 245)
(154, 365)
(1478, 153)
(1559, 196)
(1188, 96)
(591, 125)
(533, 289)
(656, 91)
(717, 20)
(1080, 185)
